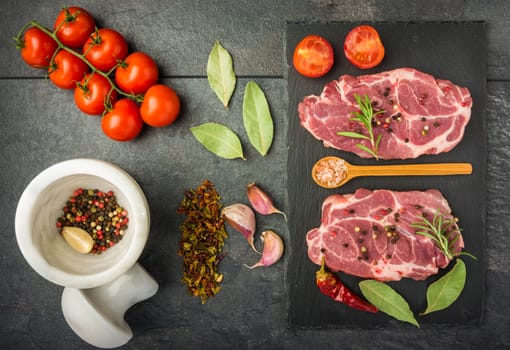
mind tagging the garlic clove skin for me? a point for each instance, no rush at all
(78, 239)
(273, 249)
(242, 218)
(261, 202)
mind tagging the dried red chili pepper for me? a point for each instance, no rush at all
(330, 285)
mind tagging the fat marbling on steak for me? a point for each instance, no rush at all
(369, 234)
(422, 114)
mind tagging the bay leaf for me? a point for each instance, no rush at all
(387, 300)
(219, 139)
(443, 292)
(257, 119)
(220, 73)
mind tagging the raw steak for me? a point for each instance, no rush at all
(423, 115)
(368, 234)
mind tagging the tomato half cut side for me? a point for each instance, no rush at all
(313, 56)
(363, 47)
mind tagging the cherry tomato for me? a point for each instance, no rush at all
(136, 73)
(90, 95)
(67, 70)
(74, 25)
(104, 48)
(160, 106)
(123, 122)
(363, 47)
(37, 48)
(313, 56)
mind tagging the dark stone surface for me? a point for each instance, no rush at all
(41, 126)
(454, 58)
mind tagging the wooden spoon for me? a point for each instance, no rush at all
(333, 172)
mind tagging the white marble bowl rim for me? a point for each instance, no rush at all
(41, 204)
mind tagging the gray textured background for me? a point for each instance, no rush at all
(41, 126)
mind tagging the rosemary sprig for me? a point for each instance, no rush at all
(365, 116)
(443, 231)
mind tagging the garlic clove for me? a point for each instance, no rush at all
(241, 218)
(273, 249)
(78, 239)
(261, 202)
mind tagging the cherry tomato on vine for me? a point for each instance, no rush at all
(91, 94)
(37, 48)
(137, 73)
(104, 48)
(313, 56)
(74, 25)
(160, 106)
(363, 47)
(123, 122)
(67, 70)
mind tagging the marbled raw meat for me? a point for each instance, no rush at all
(369, 234)
(423, 115)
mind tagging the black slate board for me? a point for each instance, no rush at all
(448, 50)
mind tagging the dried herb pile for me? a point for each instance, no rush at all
(203, 235)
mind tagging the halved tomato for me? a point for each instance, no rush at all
(313, 56)
(363, 47)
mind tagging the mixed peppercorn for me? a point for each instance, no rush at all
(389, 230)
(397, 117)
(99, 214)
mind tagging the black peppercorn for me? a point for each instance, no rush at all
(99, 214)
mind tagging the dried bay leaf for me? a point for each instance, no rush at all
(387, 300)
(219, 139)
(220, 73)
(443, 292)
(257, 118)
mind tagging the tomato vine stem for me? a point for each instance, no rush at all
(19, 43)
(53, 35)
